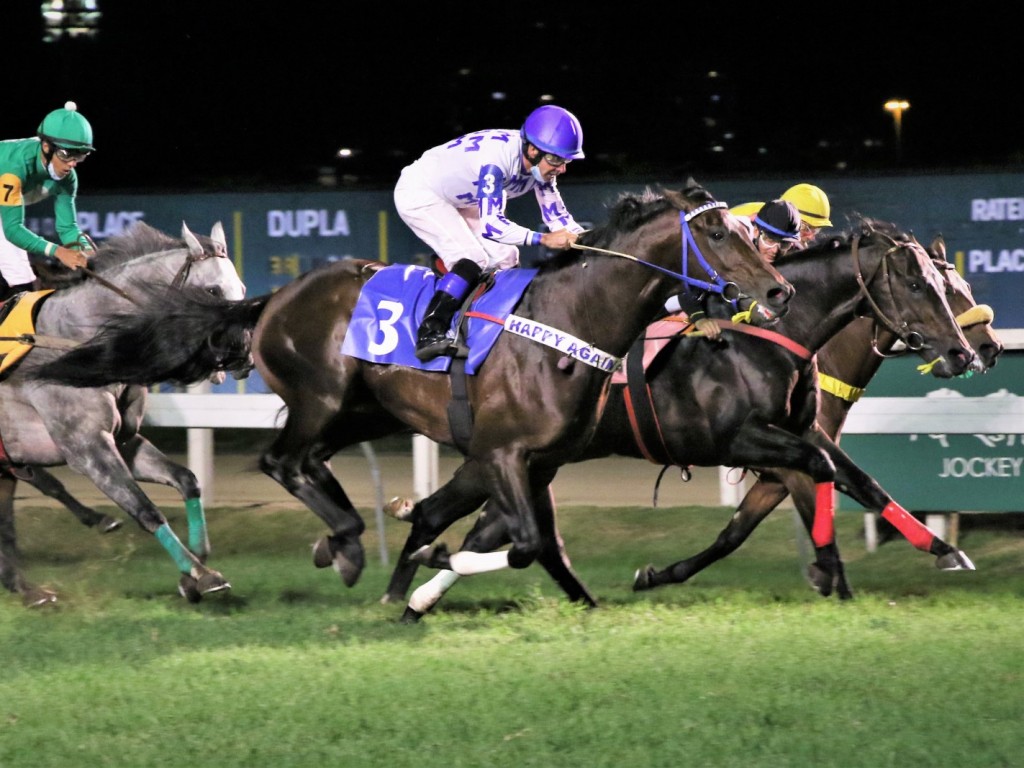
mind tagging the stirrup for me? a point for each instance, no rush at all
(430, 348)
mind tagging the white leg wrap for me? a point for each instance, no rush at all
(470, 563)
(426, 596)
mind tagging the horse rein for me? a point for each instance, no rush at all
(717, 286)
(911, 339)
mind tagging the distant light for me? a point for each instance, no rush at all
(345, 152)
(547, 97)
(498, 96)
(717, 148)
(465, 71)
(897, 105)
(712, 74)
(69, 19)
(716, 97)
(728, 135)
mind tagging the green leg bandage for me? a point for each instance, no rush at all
(198, 540)
(174, 547)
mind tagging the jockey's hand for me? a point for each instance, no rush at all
(72, 258)
(709, 328)
(558, 240)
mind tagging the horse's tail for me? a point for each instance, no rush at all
(176, 337)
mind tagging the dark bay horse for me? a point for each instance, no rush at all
(95, 430)
(533, 406)
(750, 400)
(846, 365)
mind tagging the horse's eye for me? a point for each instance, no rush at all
(216, 290)
(916, 285)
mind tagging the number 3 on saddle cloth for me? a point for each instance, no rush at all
(391, 306)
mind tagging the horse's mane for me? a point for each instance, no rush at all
(631, 210)
(140, 238)
(859, 225)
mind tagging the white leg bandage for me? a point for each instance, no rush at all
(426, 596)
(470, 563)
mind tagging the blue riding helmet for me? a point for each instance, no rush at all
(555, 130)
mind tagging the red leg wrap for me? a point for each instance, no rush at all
(824, 529)
(917, 533)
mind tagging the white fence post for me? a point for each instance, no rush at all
(424, 466)
(200, 451)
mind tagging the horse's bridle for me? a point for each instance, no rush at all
(730, 291)
(179, 279)
(912, 340)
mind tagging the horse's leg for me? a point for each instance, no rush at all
(865, 490)
(94, 454)
(553, 557)
(48, 485)
(756, 444)
(756, 505)
(10, 566)
(508, 479)
(460, 496)
(827, 574)
(298, 461)
(488, 534)
(149, 464)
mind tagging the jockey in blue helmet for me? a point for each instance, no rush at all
(453, 197)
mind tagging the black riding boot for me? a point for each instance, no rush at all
(432, 339)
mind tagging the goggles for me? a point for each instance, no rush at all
(69, 155)
(554, 160)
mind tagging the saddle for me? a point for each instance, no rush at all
(17, 327)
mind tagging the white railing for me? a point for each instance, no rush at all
(202, 413)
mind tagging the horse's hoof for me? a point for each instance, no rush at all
(819, 579)
(956, 560)
(346, 555)
(400, 508)
(322, 555)
(212, 581)
(411, 616)
(390, 599)
(188, 587)
(37, 597)
(436, 556)
(108, 524)
(643, 579)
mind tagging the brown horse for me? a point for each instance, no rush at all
(750, 400)
(534, 407)
(846, 365)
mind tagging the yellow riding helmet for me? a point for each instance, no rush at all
(745, 209)
(811, 202)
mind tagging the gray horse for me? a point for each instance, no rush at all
(95, 431)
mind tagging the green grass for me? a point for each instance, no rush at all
(743, 666)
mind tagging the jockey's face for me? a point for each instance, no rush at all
(63, 160)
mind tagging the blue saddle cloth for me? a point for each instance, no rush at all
(391, 307)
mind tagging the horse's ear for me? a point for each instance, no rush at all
(194, 246)
(938, 248)
(219, 239)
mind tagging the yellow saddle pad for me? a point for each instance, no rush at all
(20, 321)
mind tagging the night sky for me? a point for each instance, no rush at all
(229, 95)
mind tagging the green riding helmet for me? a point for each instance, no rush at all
(67, 129)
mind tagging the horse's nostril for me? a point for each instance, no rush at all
(779, 297)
